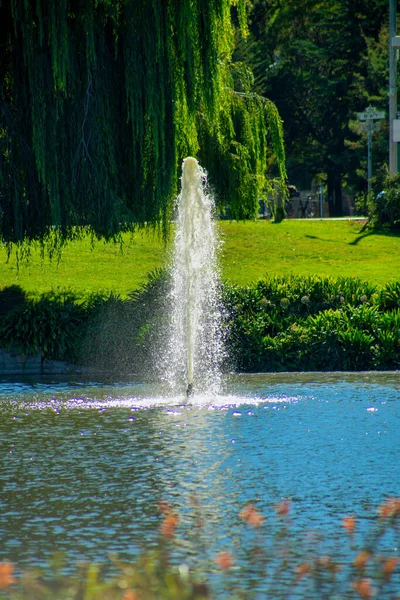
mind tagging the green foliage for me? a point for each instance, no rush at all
(389, 296)
(240, 173)
(52, 325)
(321, 62)
(314, 323)
(279, 324)
(99, 103)
(384, 209)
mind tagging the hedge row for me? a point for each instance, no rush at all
(314, 323)
(278, 324)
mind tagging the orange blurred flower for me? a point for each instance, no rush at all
(251, 515)
(302, 570)
(389, 566)
(363, 588)
(361, 559)
(169, 524)
(6, 575)
(224, 560)
(283, 507)
(130, 595)
(389, 509)
(349, 523)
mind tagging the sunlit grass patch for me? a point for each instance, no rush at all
(250, 251)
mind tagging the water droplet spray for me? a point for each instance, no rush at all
(195, 345)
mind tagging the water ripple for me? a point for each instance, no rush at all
(84, 468)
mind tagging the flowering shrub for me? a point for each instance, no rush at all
(278, 324)
(272, 565)
(314, 324)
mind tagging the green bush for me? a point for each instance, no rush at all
(387, 346)
(53, 325)
(314, 323)
(389, 296)
(383, 209)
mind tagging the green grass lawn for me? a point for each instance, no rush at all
(335, 248)
(250, 251)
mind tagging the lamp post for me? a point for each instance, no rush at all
(394, 43)
(369, 116)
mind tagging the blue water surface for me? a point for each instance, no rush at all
(85, 466)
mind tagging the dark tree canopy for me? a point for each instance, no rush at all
(100, 100)
(321, 62)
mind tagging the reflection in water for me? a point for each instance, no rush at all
(84, 467)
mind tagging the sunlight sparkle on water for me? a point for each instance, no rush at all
(207, 402)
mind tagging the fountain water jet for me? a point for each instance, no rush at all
(195, 345)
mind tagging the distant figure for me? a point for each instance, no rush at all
(293, 191)
(289, 209)
(303, 208)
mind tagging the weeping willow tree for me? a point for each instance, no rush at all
(101, 99)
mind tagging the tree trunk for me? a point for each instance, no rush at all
(335, 194)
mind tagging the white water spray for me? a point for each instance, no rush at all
(195, 346)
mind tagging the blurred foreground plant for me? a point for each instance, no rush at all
(268, 563)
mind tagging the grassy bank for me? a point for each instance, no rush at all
(250, 251)
(326, 248)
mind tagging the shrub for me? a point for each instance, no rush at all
(278, 324)
(356, 350)
(313, 323)
(269, 562)
(54, 325)
(384, 209)
(389, 296)
(387, 346)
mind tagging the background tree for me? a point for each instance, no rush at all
(101, 99)
(313, 59)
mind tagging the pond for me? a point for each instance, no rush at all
(85, 466)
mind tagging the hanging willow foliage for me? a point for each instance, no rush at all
(100, 100)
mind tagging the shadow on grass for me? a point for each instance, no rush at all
(362, 235)
(375, 232)
(316, 237)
